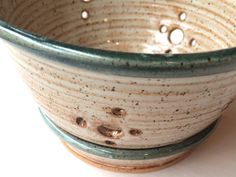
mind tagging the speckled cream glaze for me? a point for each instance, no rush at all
(125, 100)
(135, 112)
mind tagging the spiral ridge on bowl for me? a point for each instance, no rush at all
(128, 25)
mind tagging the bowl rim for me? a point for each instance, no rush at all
(122, 63)
(130, 154)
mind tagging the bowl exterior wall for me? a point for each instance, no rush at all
(132, 112)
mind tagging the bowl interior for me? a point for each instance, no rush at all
(139, 26)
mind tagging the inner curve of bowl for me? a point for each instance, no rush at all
(137, 26)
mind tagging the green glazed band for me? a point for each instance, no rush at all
(121, 63)
(129, 154)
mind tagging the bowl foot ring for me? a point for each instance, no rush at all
(125, 169)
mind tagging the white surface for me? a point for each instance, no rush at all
(28, 148)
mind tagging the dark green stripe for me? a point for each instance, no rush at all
(120, 63)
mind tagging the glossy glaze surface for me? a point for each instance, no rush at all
(125, 100)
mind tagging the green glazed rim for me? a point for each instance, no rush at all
(122, 63)
(129, 154)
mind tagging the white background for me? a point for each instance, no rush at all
(28, 148)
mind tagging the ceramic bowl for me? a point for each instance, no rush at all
(130, 74)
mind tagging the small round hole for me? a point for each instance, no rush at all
(86, 0)
(182, 16)
(110, 132)
(81, 122)
(84, 14)
(110, 143)
(176, 36)
(163, 29)
(118, 112)
(193, 42)
(135, 132)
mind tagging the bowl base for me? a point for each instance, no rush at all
(128, 169)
